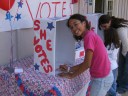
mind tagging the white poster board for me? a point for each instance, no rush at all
(53, 44)
(22, 12)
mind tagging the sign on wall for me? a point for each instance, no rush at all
(21, 13)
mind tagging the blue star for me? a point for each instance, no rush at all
(8, 16)
(50, 26)
(20, 4)
(36, 67)
(18, 16)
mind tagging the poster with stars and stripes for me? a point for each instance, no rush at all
(18, 14)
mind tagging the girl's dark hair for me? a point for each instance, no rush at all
(111, 36)
(81, 18)
(115, 22)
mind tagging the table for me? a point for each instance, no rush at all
(39, 83)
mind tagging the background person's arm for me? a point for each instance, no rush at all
(123, 36)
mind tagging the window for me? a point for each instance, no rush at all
(110, 7)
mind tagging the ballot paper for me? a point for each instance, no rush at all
(18, 70)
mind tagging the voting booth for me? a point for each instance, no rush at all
(54, 44)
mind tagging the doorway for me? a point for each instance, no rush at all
(99, 6)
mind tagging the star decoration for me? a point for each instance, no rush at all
(20, 4)
(8, 16)
(50, 26)
(18, 16)
(36, 67)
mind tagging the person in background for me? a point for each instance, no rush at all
(120, 26)
(112, 44)
(96, 57)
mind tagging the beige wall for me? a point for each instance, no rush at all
(85, 7)
(5, 46)
(75, 8)
(22, 44)
(121, 8)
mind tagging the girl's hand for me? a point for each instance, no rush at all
(63, 67)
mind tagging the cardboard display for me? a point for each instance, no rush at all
(53, 44)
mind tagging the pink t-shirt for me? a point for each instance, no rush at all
(100, 65)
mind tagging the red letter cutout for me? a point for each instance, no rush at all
(55, 6)
(48, 69)
(36, 25)
(63, 8)
(38, 48)
(48, 45)
(36, 40)
(42, 34)
(46, 9)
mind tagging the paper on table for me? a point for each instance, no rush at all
(18, 70)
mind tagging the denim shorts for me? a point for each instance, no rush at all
(100, 86)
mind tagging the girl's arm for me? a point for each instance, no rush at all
(78, 69)
(123, 36)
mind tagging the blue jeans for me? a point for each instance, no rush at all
(112, 90)
(100, 86)
(122, 79)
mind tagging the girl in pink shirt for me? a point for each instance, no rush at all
(96, 58)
